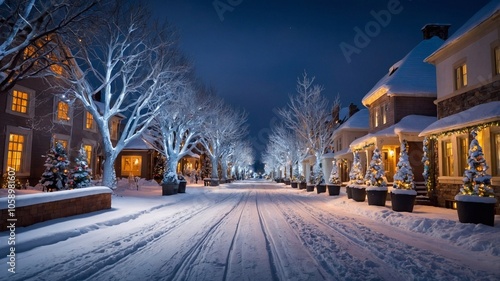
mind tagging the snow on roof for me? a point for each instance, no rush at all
(100, 107)
(477, 19)
(410, 76)
(409, 124)
(343, 152)
(476, 115)
(138, 144)
(358, 121)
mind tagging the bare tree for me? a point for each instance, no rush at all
(175, 131)
(28, 32)
(132, 67)
(308, 114)
(222, 127)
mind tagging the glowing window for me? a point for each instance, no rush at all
(62, 111)
(64, 143)
(448, 158)
(88, 151)
(131, 164)
(19, 101)
(89, 121)
(461, 76)
(114, 129)
(497, 60)
(15, 151)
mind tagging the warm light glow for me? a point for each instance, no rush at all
(391, 152)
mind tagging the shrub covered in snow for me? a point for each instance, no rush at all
(403, 179)
(356, 173)
(80, 175)
(375, 174)
(476, 181)
(56, 165)
(334, 175)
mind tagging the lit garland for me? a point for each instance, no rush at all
(364, 147)
(426, 162)
(465, 130)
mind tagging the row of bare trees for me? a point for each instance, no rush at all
(110, 56)
(306, 129)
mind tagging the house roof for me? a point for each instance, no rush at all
(138, 144)
(100, 106)
(488, 11)
(410, 76)
(409, 124)
(358, 121)
(474, 116)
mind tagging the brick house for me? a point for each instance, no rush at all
(33, 117)
(468, 96)
(401, 105)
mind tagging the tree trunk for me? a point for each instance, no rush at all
(108, 172)
(224, 169)
(214, 167)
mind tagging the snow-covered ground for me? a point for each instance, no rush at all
(253, 230)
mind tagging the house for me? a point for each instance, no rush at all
(137, 159)
(33, 117)
(355, 127)
(401, 105)
(468, 96)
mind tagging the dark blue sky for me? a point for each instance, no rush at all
(252, 52)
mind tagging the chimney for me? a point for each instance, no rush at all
(353, 109)
(435, 29)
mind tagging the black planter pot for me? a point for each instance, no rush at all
(358, 194)
(294, 184)
(287, 182)
(333, 189)
(321, 188)
(182, 186)
(302, 185)
(402, 202)
(310, 188)
(348, 191)
(376, 197)
(168, 188)
(476, 212)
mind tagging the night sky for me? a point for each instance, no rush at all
(252, 52)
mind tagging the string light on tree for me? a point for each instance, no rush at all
(403, 179)
(375, 174)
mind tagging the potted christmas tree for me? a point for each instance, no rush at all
(320, 181)
(374, 178)
(334, 185)
(476, 201)
(80, 175)
(302, 182)
(403, 193)
(356, 189)
(56, 165)
(311, 183)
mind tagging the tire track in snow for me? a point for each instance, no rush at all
(85, 264)
(402, 258)
(338, 254)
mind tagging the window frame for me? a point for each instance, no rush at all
(447, 169)
(496, 59)
(93, 156)
(61, 137)
(56, 112)
(460, 73)
(123, 170)
(26, 153)
(30, 113)
(94, 125)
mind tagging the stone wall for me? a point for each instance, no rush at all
(484, 94)
(31, 214)
(447, 191)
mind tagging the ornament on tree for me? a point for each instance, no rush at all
(476, 181)
(375, 174)
(356, 173)
(80, 176)
(403, 179)
(55, 176)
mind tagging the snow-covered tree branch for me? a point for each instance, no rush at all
(28, 29)
(128, 70)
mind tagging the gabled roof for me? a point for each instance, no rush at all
(410, 76)
(358, 121)
(491, 9)
(477, 115)
(138, 144)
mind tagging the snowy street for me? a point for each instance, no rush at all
(255, 230)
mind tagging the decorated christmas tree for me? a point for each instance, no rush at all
(356, 173)
(55, 176)
(403, 179)
(426, 162)
(476, 181)
(80, 175)
(334, 175)
(375, 174)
